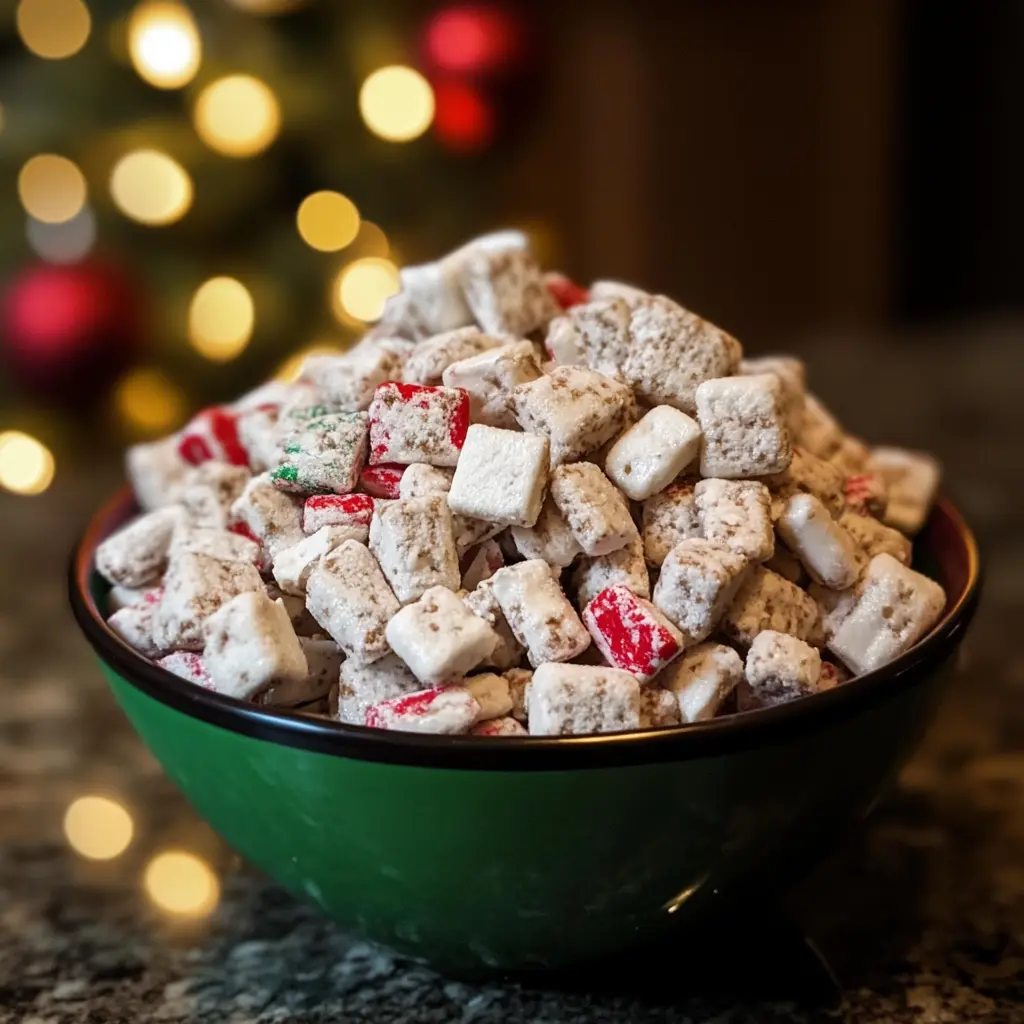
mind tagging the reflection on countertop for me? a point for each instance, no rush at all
(118, 904)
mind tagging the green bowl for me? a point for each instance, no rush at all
(477, 854)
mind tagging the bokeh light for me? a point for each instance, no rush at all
(289, 369)
(220, 319)
(237, 115)
(397, 103)
(181, 883)
(149, 402)
(53, 29)
(98, 828)
(362, 288)
(471, 38)
(464, 120)
(328, 221)
(371, 240)
(150, 187)
(26, 465)
(63, 243)
(267, 7)
(51, 188)
(164, 43)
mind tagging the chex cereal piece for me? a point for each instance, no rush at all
(618, 290)
(323, 663)
(411, 423)
(324, 455)
(124, 597)
(669, 517)
(383, 481)
(274, 517)
(745, 432)
(826, 549)
(292, 565)
(653, 452)
(195, 587)
(625, 566)
(518, 680)
(362, 686)
(780, 668)
(505, 291)
(595, 510)
(866, 493)
(563, 343)
(786, 564)
(134, 624)
(808, 473)
(564, 290)
(415, 546)
(208, 492)
(893, 609)
(913, 481)
(492, 693)
(223, 544)
(576, 409)
(631, 633)
(187, 665)
(482, 603)
(440, 638)
(851, 457)
(258, 435)
(603, 328)
(767, 601)
(212, 434)
(490, 378)
(353, 511)
(348, 595)
(875, 538)
(702, 680)
(430, 301)
(568, 700)
(484, 562)
(423, 481)
(501, 476)
(447, 710)
(698, 580)
(538, 613)
(155, 471)
(137, 553)
(430, 358)
(499, 727)
(347, 382)
(737, 514)
(833, 607)
(549, 538)
(792, 376)
(820, 433)
(659, 708)
(672, 351)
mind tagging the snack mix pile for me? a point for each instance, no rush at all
(519, 506)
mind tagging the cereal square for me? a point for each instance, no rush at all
(781, 668)
(766, 601)
(155, 471)
(828, 552)
(702, 680)
(383, 481)
(595, 510)
(737, 514)
(362, 686)
(293, 564)
(669, 517)
(603, 327)
(447, 710)
(490, 378)
(625, 566)
(430, 358)
(324, 455)
(352, 511)
(653, 452)
(912, 479)
(412, 423)
(792, 375)
(567, 700)
(505, 291)
(209, 490)
(273, 517)
(137, 554)
(347, 381)
(549, 538)
(875, 538)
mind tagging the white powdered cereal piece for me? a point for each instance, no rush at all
(595, 510)
(134, 625)
(258, 435)
(348, 595)
(347, 382)
(447, 710)
(737, 514)
(618, 290)
(492, 693)
(827, 551)
(323, 454)
(702, 680)
(195, 587)
(293, 564)
(187, 665)
(414, 423)
(745, 432)
(362, 686)
(275, 518)
(430, 359)
(833, 607)
(223, 544)
(913, 481)
(792, 376)
(482, 602)
(137, 553)
(323, 661)
(576, 409)
(124, 597)
(485, 562)
(501, 476)
(564, 344)
(786, 564)
(506, 726)
(505, 290)
(781, 668)
(414, 544)
(549, 538)
(767, 601)
(430, 301)
(669, 517)
(440, 638)
(875, 538)
(653, 452)
(894, 608)
(659, 709)
(820, 434)
(698, 580)
(672, 351)
(490, 378)
(866, 493)
(209, 490)
(518, 680)
(423, 481)
(625, 567)
(155, 471)
(538, 613)
(573, 700)
(603, 327)
(812, 475)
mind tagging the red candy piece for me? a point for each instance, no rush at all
(187, 665)
(631, 633)
(865, 493)
(336, 510)
(213, 434)
(382, 481)
(565, 291)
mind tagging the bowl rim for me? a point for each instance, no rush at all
(715, 737)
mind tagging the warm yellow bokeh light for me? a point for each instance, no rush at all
(148, 401)
(362, 288)
(328, 221)
(237, 115)
(98, 828)
(150, 187)
(26, 465)
(52, 189)
(397, 103)
(289, 369)
(371, 240)
(53, 29)
(267, 6)
(181, 883)
(164, 44)
(220, 319)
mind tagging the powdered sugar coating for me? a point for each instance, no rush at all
(227, 545)
(603, 328)
(875, 538)
(912, 479)
(549, 539)
(767, 601)
(498, 727)
(324, 454)
(780, 668)
(293, 564)
(208, 491)
(361, 686)
(412, 423)
(485, 562)
(594, 508)
(136, 555)
(505, 291)
(668, 518)
(702, 680)
(187, 665)
(482, 602)
(155, 471)
(274, 517)
(625, 566)
(568, 700)
(349, 510)
(490, 378)
(827, 551)
(792, 376)
(653, 452)
(492, 693)
(446, 710)
(347, 382)
(737, 514)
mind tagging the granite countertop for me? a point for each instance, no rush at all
(921, 914)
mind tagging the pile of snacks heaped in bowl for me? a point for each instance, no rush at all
(519, 506)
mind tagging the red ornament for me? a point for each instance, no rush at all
(463, 117)
(69, 331)
(473, 38)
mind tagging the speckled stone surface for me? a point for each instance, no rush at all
(921, 914)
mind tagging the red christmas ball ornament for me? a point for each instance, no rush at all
(67, 332)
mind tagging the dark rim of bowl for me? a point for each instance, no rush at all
(535, 753)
